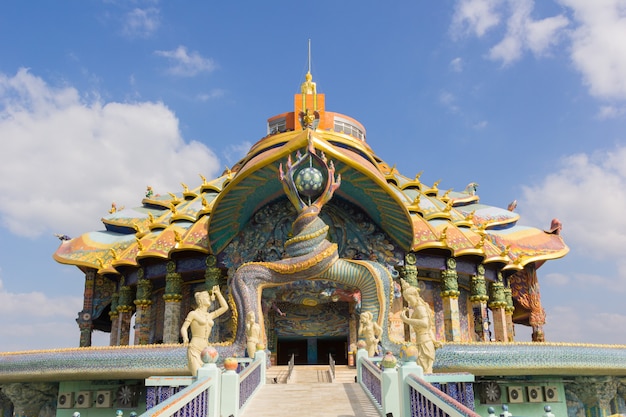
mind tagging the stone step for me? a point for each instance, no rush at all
(314, 399)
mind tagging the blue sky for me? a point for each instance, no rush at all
(100, 98)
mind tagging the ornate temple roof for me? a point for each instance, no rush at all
(208, 216)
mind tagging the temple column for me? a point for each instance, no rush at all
(31, 399)
(143, 303)
(115, 323)
(450, 300)
(125, 309)
(479, 298)
(172, 297)
(212, 275)
(509, 309)
(84, 319)
(498, 306)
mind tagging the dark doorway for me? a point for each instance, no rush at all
(337, 346)
(287, 347)
(312, 350)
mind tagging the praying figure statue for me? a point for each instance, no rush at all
(253, 334)
(423, 323)
(308, 86)
(201, 321)
(370, 332)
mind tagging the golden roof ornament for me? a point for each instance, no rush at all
(204, 202)
(139, 244)
(204, 182)
(444, 234)
(185, 188)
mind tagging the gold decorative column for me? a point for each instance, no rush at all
(509, 309)
(125, 309)
(212, 276)
(172, 297)
(84, 319)
(143, 303)
(212, 273)
(450, 299)
(498, 306)
(479, 298)
(115, 323)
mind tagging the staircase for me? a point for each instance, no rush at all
(310, 392)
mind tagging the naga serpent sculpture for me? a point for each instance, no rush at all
(309, 254)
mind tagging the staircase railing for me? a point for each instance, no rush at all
(292, 363)
(331, 365)
(371, 379)
(423, 398)
(404, 391)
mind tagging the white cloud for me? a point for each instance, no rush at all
(610, 112)
(65, 159)
(589, 194)
(598, 49)
(524, 33)
(448, 100)
(141, 23)
(36, 321)
(475, 17)
(211, 95)
(186, 64)
(235, 152)
(584, 325)
(457, 64)
(481, 125)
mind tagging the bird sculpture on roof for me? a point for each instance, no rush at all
(471, 188)
(512, 205)
(555, 227)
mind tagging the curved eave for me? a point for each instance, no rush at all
(257, 183)
(195, 238)
(491, 217)
(425, 236)
(498, 359)
(527, 245)
(165, 242)
(96, 250)
(458, 242)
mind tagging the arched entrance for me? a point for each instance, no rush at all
(310, 319)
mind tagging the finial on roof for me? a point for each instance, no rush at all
(185, 188)
(444, 234)
(203, 179)
(308, 86)
(512, 205)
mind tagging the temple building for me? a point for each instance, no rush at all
(313, 233)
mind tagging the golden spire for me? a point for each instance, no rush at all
(309, 86)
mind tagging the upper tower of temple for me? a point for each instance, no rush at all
(309, 108)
